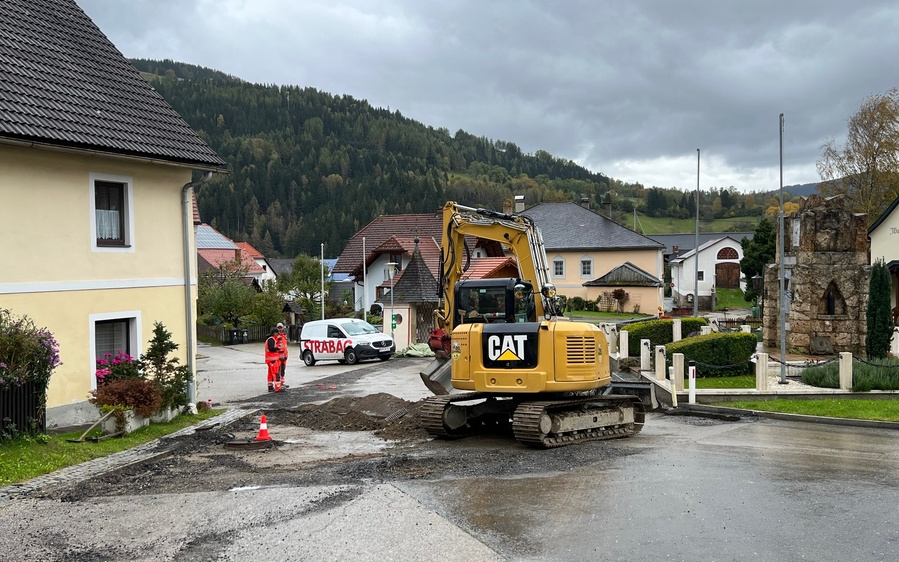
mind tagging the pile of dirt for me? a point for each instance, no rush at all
(386, 415)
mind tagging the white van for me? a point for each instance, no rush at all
(345, 339)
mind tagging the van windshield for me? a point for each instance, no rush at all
(359, 328)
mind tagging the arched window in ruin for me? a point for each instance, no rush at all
(727, 254)
(832, 303)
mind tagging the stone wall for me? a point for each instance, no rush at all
(826, 263)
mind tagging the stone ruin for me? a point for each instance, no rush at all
(827, 272)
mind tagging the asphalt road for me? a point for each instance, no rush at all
(684, 489)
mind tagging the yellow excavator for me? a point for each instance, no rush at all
(505, 355)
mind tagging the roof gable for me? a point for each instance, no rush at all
(568, 226)
(416, 284)
(66, 85)
(626, 275)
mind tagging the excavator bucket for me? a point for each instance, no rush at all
(438, 376)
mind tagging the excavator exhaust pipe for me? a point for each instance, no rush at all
(438, 376)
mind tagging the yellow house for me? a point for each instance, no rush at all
(96, 175)
(591, 256)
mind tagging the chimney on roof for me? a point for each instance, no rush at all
(519, 203)
(585, 202)
(507, 206)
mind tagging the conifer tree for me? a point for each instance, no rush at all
(879, 320)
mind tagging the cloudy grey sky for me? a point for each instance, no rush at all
(627, 88)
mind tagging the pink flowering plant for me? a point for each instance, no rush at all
(27, 353)
(116, 367)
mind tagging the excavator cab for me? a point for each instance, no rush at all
(490, 301)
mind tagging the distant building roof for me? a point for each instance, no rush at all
(249, 250)
(569, 226)
(686, 242)
(684, 255)
(208, 237)
(380, 230)
(213, 258)
(484, 268)
(66, 85)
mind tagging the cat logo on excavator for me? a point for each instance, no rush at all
(506, 347)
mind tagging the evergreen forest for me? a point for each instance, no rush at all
(310, 168)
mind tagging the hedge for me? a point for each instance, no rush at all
(730, 351)
(659, 332)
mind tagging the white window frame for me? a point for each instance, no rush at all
(133, 317)
(128, 192)
(559, 261)
(589, 261)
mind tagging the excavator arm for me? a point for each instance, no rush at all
(517, 232)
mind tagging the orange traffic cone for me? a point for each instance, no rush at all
(263, 430)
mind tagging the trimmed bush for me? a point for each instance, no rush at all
(717, 355)
(659, 332)
(139, 394)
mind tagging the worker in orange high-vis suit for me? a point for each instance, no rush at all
(273, 361)
(282, 345)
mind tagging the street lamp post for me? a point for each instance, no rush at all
(390, 271)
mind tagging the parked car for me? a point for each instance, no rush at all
(346, 340)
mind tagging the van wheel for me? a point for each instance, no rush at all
(308, 359)
(350, 356)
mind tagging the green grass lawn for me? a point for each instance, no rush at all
(594, 317)
(854, 408)
(730, 299)
(24, 458)
(711, 383)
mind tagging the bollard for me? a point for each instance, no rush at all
(678, 361)
(676, 334)
(845, 370)
(692, 395)
(644, 355)
(761, 372)
(622, 344)
(659, 359)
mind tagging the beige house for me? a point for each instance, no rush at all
(96, 184)
(884, 236)
(590, 255)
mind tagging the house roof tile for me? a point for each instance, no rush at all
(66, 85)
(569, 226)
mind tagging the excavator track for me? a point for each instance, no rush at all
(544, 424)
(555, 423)
(436, 415)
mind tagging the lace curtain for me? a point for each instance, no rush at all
(108, 225)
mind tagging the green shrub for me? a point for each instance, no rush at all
(166, 372)
(659, 332)
(876, 374)
(717, 355)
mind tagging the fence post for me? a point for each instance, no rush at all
(660, 363)
(644, 355)
(678, 361)
(676, 334)
(845, 370)
(622, 344)
(761, 372)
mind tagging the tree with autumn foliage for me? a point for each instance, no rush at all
(866, 170)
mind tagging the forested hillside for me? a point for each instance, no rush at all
(308, 167)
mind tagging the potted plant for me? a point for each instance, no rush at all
(121, 387)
